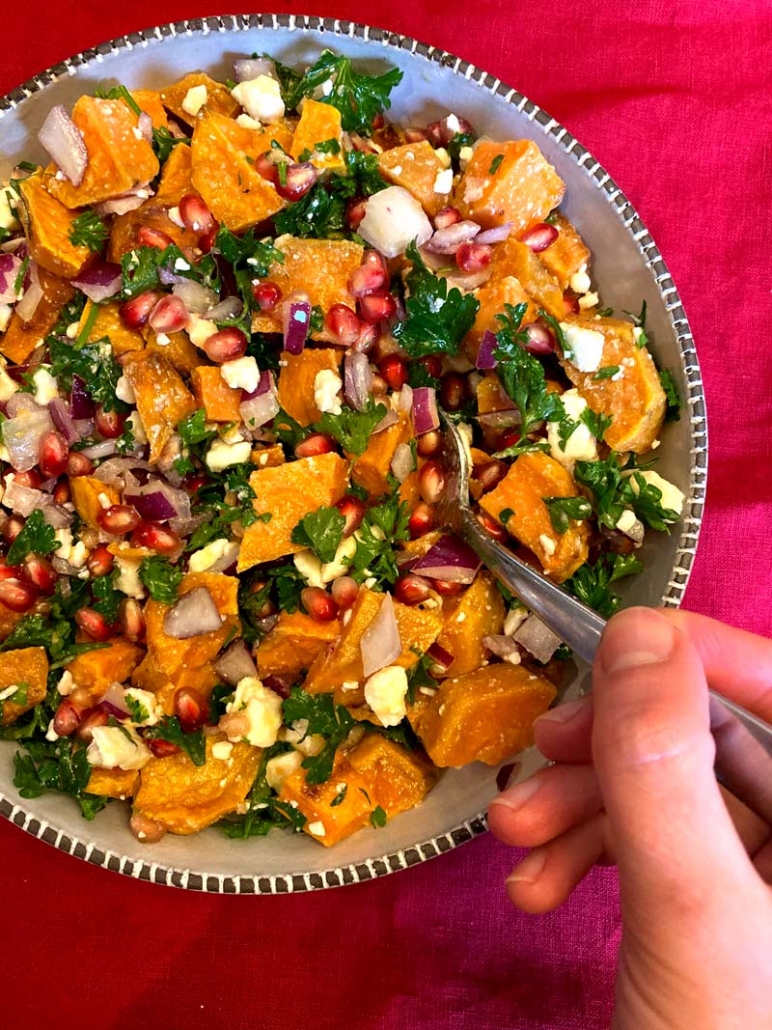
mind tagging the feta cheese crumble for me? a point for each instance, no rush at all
(262, 707)
(260, 98)
(327, 387)
(385, 693)
(584, 347)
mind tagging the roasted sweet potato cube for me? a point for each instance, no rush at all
(397, 779)
(513, 258)
(319, 123)
(90, 495)
(491, 395)
(371, 468)
(176, 174)
(297, 378)
(218, 97)
(293, 643)
(113, 783)
(176, 348)
(224, 173)
(219, 401)
(478, 613)
(334, 809)
(321, 269)
(149, 101)
(415, 167)
(518, 503)
(154, 214)
(119, 158)
(26, 670)
(21, 338)
(287, 493)
(409, 490)
(493, 297)
(508, 182)
(186, 798)
(109, 324)
(268, 457)
(636, 401)
(96, 670)
(567, 254)
(48, 225)
(162, 397)
(483, 716)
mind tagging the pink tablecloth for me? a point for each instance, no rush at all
(673, 98)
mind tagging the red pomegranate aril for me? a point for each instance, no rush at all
(355, 212)
(490, 474)
(371, 276)
(193, 483)
(226, 345)
(206, 240)
(369, 335)
(100, 562)
(413, 135)
(314, 445)
(145, 829)
(18, 595)
(319, 604)
(109, 424)
(67, 718)
(453, 391)
(421, 520)
(376, 307)
(277, 685)
(161, 748)
(265, 166)
(131, 619)
(150, 237)
(39, 571)
(61, 492)
(169, 315)
(91, 720)
(191, 709)
(136, 312)
(431, 364)
(30, 478)
(296, 181)
(509, 437)
(490, 525)
(343, 323)
(118, 519)
(79, 465)
(571, 302)
(93, 623)
(441, 660)
(353, 511)
(267, 295)
(474, 257)
(540, 339)
(9, 571)
(54, 453)
(344, 591)
(540, 236)
(195, 214)
(447, 587)
(429, 444)
(447, 217)
(393, 368)
(431, 481)
(411, 589)
(13, 526)
(157, 537)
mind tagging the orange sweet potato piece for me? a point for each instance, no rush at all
(88, 495)
(219, 401)
(334, 809)
(176, 348)
(493, 297)
(21, 338)
(118, 158)
(162, 397)
(293, 643)
(296, 381)
(409, 490)
(176, 175)
(513, 258)
(397, 779)
(149, 101)
(108, 323)
(113, 783)
(371, 468)
(508, 182)
(94, 671)
(27, 670)
(478, 613)
(415, 167)
(47, 225)
(491, 395)
(288, 492)
(567, 254)
(483, 716)
(218, 97)
(186, 798)
(319, 123)
(636, 402)
(268, 457)
(531, 478)
(320, 268)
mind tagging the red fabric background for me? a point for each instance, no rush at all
(672, 96)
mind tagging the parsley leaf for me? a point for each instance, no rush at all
(106, 597)
(332, 721)
(193, 428)
(522, 375)
(591, 583)
(672, 396)
(263, 813)
(60, 766)
(164, 143)
(352, 429)
(322, 531)
(383, 526)
(94, 363)
(161, 578)
(596, 422)
(36, 537)
(419, 676)
(192, 744)
(88, 230)
(615, 488)
(378, 817)
(606, 372)
(136, 709)
(563, 509)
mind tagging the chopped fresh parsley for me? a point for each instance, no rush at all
(258, 255)
(164, 143)
(383, 526)
(36, 537)
(591, 583)
(457, 144)
(322, 531)
(505, 515)
(140, 269)
(161, 578)
(263, 813)
(378, 817)
(94, 363)
(136, 709)
(352, 429)
(193, 428)
(522, 375)
(639, 321)
(88, 230)
(419, 676)
(332, 721)
(287, 431)
(106, 598)
(613, 491)
(596, 422)
(672, 396)
(606, 373)
(563, 509)
(60, 766)
(193, 744)
(495, 164)
(211, 502)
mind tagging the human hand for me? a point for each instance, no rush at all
(634, 783)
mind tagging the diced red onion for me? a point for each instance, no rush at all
(488, 345)
(537, 638)
(496, 235)
(63, 142)
(124, 203)
(115, 696)
(278, 684)
(389, 419)
(501, 646)
(56, 516)
(99, 281)
(154, 506)
(231, 307)
(22, 500)
(81, 404)
(357, 380)
(10, 266)
(447, 241)
(63, 420)
(103, 449)
(540, 338)
(404, 399)
(194, 614)
(425, 414)
(296, 315)
(22, 436)
(145, 126)
(235, 664)
(450, 559)
(117, 471)
(250, 67)
(402, 462)
(196, 298)
(381, 644)
(33, 294)
(20, 402)
(258, 408)
(500, 419)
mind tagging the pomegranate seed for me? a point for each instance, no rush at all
(150, 237)
(371, 276)
(429, 444)
(355, 212)
(314, 445)
(93, 718)
(394, 370)
(195, 214)
(490, 525)
(226, 345)
(343, 323)
(298, 180)
(267, 295)
(265, 166)
(79, 465)
(431, 481)
(540, 339)
(441, 660)
(277, 685)
(39, 571)
(191, 709)
(61, 493)
(54, 453)
(147, 830)
(100, 561)
(432, 365)
(571, 302)
(540, 236)
(206, 240)
(109, 424)
(193, 483)
(508, 438)
(9, 571)
(344, 591)
(415, 135)
(31, 478)
(369, 335)
(93, 623)
(131, 619)
(67, 718)
(376, 307)
(169, 315)
(17, 595)
(155, 536)
(136, 312)
(421, 520)
(162, 748)
(378, 121)
(490, 474)
(441, 133)
(447, 217)
(319, 604)
(411, 589)
(118, 519)
(473, 257)
(453, 391)
(353, 511)
(12, 527)
(447, 587)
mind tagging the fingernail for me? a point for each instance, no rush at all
(636, 637)
(530, 869)
(518, 795)
(564, 713)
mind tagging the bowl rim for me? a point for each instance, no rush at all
(359, 872)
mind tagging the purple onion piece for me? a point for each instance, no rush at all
(488, 345)
(63, 421)
(381, 644)
(448, 240)
(194, 614)
(496, 235)
(450, 559)
(357, 380)
(10, 266)
(63, 142)
(235, 664)
(100, 281)
(257, 410)
(81, 404)
(425, 414)
(154, 507)
(297, 321)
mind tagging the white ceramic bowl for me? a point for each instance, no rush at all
(628, 268)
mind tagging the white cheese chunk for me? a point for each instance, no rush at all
(124, 391)
(221, 454)
(672, 497)
(580, 280)
(205, 558)
(137, 428)
(117, 747)
(8, 205)
(46, 387)
(581, 445)
(128, 580)
(341, 563)
(279, 768)
(584, 347)
(8, 386)
(317, 828)
(150, 708)
(222, 750)
(74, 554)
(385, 693)
(626, 520)
(194, 100)
(200, 329)
(262, 707)
(327, 386)
(6, 312)
(443, 182)
(309, 567)
(260, 98)
(241, 374)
